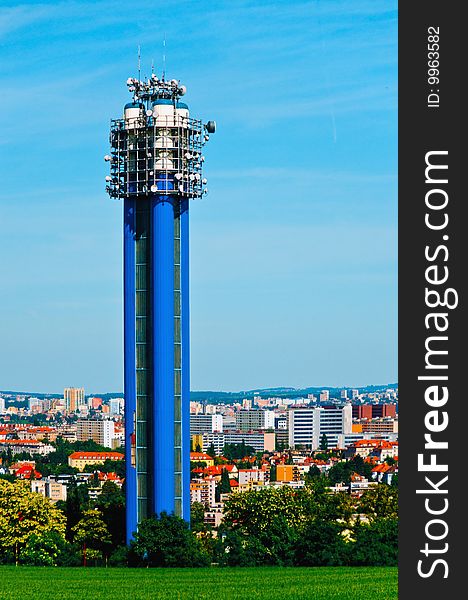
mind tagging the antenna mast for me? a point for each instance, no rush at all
(139, 63)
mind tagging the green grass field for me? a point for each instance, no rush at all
(330, 583)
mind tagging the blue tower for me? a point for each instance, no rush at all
(156, 168)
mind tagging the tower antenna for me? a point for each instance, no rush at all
(139, 62)
(164, 57)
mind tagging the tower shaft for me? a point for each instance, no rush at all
(157, 354)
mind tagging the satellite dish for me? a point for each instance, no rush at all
(108, 178)
(211, 127)
(182, 90)
(154, 188)
(149, 113)
(107, 158)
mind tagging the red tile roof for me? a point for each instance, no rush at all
(96, 456)
(201, 456)
(26, 471)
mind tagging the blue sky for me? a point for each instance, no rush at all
(294, 250)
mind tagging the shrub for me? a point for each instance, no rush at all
(166, 541)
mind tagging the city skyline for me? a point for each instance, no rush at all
(285, 289)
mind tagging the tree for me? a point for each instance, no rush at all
(312, 474)
(111, 503)
(321, 456)
(230, 549)
(380, 501)
(197, 464)
(274, 547)
(319, 504)
(273, 472)
(340, 473)
(113, 466)
(324, 443)
(253, 512)
(49, 549)
(92, 535)
(376, 543)
(320, 543)
(76, 503)
(166, 541)
(223, 486)
(72, 508)
(238, 451)
(211, 450)
(22, 514)
(197, 517)
(357, 465)
(225, 482)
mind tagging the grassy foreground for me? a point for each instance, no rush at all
(330, 583)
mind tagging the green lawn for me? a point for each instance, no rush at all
(330, 583)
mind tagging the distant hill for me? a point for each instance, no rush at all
(230, 397)
(280, 392)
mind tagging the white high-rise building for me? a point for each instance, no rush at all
(34, 405)
(255, 419)
(324, 396)
(205, 423)
(102, 432)
(73, 398)
(269, 419)
(2, 406)
(116, 406)
(307, 425)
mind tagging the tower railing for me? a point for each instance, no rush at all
(161, 155)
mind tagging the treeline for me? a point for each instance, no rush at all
(273, 526)
(309, 527)
(278, 527)
(82, 530)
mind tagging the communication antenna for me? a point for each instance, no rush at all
(139, 63)
(164, 57)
